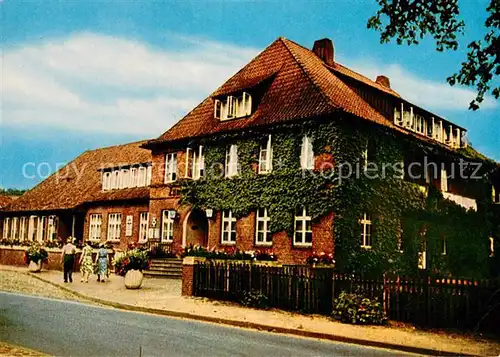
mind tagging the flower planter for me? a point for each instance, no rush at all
(35, 267)
(133, 279)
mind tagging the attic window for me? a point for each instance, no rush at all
(232, 107)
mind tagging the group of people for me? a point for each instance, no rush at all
(88, 265)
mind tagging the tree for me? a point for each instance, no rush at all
(409, 21)
(12, 192)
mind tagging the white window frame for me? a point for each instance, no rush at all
(31, 228)
(143, 227)
(170, 167)
(261, 216)
(125, 178)
(142, 176)
(307, 153)
(444, 180)
(167, 227)
(51, 227)
(266, 164)
(228, 228)
(41, 231)
(6, 227)
(106, 180)
(495, 196)
(492, 246)
(231, 168)
(189, 165)
(149, 175)
(304, 220)
(23, 228)
(114, 227)
(115, 180)
(218, 107)
(199, 164)
(366, 231)
(134, 176)
(95, 227)
(14, 228)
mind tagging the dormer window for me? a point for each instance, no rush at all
(233, 106)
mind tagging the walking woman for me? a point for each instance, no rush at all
(86, 266)
(102, 262)
(68, 259)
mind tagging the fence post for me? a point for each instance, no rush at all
(188, 279)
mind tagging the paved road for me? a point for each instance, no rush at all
(66, 328)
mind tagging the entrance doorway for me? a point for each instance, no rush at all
(195, 229)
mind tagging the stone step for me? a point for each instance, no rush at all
(155, 274)
(173, 269)
(166, 263)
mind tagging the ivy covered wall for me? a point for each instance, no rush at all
(399, 209)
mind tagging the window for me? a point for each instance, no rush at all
(266, 157)
(495, 195)
(52, 228)
(115, 181)
(95, 227)
(143, 226)
(444, 180)
(492, 246)
(42, 221)
(420, 124)
(303, 228)
(195, 163)
(366, 231)
(22, 229)
(228, 228)
(141, 180)
(149, 175)
(13, 228)
(32, 228)
(6, 227)
(262, 233)
(233, 107)
(307, 154)
(125, 178)
(167, 232)
(133, 177)
(231, 161)
(114, 226)
(199, 164)
(106, 180)
(171, 167)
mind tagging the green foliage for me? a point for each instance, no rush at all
(35, 253)
(412, 20)
(356, 309)
(228, 254)
(135, 259)
(254, 299)
(396, 205)
(11, 192)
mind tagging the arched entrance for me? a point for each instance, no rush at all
(195, 229)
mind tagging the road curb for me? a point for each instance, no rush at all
(255, 326)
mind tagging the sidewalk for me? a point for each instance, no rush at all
(163, 296)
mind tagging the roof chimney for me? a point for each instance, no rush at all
(324, 49)
(383, 81)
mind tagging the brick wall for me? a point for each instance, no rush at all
(125, 210)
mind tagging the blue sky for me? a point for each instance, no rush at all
(77, 75)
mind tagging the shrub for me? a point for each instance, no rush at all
(160, 252)
(254, 299)
(133, 259)
(357, 309)
(35, 253)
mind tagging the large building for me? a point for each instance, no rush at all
(295, 153)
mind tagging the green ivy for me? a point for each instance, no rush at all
(396, 205)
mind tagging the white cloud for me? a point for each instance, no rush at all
(94, 82)
(431, 95)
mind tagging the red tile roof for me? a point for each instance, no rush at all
(80, 181)
(301, 86)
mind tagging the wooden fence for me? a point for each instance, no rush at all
(425, 301)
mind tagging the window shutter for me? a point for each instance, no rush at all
(310, 154)
(269, 154)
(247, 104)
(217, 109)
(231, 108)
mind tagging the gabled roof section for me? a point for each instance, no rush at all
(80, 181)
(301, 86)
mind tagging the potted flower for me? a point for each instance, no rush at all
(130, 265)
(34, 256)
(322, 259)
